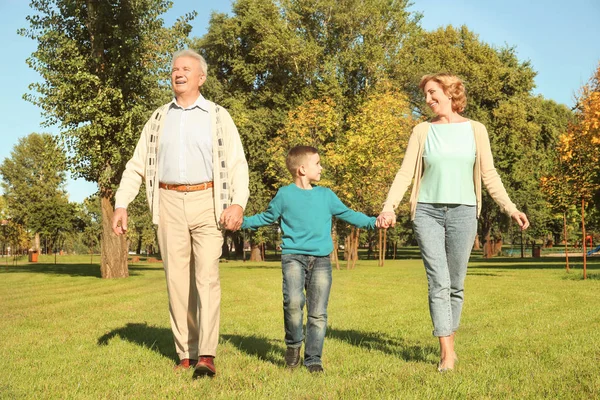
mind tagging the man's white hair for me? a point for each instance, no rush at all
(192, 54)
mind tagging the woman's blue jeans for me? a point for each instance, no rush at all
(313, 274)
(445, 233)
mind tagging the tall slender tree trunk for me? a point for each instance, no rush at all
(584, 239)
(335, 256)
(113, 262)
(487, 245)
(382, 246)
(566, 241)
(355, 246)
(348, 251)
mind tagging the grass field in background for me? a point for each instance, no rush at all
(529, 330)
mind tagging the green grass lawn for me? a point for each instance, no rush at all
(529, 330)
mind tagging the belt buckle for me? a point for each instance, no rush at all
(187, 188)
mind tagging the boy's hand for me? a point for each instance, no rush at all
(386, 220)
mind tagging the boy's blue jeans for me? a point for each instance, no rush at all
(445, 233)
(313, 274)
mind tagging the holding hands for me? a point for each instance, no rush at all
(232, 217)
(385, 220)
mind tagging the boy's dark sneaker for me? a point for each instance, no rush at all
(292, 357)
(315, 369)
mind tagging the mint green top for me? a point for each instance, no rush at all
(449, 157)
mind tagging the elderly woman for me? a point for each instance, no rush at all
(448, 158)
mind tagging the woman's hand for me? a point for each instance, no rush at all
(385, 220)
(521, 219)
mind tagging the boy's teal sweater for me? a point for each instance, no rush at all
(306, 219)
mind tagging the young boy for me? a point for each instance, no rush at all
(305, 213)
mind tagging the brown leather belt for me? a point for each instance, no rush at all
(186, 188)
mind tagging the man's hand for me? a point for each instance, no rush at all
(119, 221)
(232, 217)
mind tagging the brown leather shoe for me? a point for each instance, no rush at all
(185, 364)
(205, 367)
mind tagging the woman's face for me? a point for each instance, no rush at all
(437, 99)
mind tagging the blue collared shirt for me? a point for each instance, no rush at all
(185, 149)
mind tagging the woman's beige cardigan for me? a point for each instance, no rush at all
(483, 170)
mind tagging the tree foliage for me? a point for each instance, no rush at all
(103, 67)
(33, 180)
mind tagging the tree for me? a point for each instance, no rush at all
(103, 65)
(499, 95)
(578, 150)
(270, 58)
(33, 180)
(367, 156)
(141, 232)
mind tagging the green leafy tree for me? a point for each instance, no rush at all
(523, 128)
(103, 67)
(270, 58)
(33, 180)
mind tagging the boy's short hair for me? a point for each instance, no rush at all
(296, 156)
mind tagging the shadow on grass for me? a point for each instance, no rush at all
(152, 337)
(477, 273)
(383, 343)
(74, 270)
(529, 263)
(252, 265)
(260, 347)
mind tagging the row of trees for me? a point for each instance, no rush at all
(338, 74)
(35, 210)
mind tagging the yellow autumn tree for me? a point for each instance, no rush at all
(367, 157)
(578, 149)
(314, 123)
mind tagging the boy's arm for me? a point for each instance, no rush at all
(341, 211)
(266, 218)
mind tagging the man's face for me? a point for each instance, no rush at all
(186, 76)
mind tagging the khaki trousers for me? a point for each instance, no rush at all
(190, 246)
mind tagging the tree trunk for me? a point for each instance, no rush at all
(255, 253)
(355, 246)
(487, 245)
(566, 241)
(497, 246)
(584, 239)
(225, 246)
(349, 248)
(477, 245)
(36, 243)
(238, 244)
(113, 262)
(335, 256)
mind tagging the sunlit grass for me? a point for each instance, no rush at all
(529, 330)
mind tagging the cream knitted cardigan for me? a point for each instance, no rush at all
(229, 163)
(483, 170)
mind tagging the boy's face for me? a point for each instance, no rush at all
(312, 167)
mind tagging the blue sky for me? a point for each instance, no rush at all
(559, 38)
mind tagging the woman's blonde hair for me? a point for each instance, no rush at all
(452, 85)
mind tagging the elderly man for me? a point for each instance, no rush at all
(191, 159)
